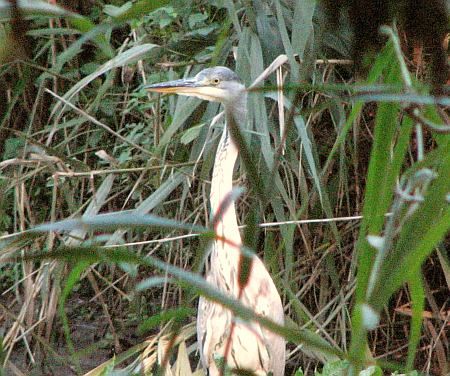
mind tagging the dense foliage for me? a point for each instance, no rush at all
(346, 201)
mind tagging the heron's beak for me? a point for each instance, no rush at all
(189, 87)
(176, 86)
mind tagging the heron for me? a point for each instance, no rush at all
(241, 345)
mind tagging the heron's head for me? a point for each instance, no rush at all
(218, 84)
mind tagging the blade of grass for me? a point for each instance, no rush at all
(418, 305)
(72, 279)
(302, 28)
(380, 180)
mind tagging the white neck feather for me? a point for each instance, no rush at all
(222, 179)
(221, 187)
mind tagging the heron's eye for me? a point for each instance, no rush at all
(215, 81)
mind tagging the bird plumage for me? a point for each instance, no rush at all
(244, 345)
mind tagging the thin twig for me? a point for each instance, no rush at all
(262, 225)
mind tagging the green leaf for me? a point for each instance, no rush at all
(138, 9)
(196, 18)
(177, 314)
(302, 28)
(185, 107)
(378, 196)
(286, 42)
(72, 279)
(338, 368)
(35, 8)
(13, 147)
(191, 134)
(116, 220)
(151, 282)
(114, 11)
(418, 305)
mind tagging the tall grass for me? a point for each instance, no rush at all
(81, 140)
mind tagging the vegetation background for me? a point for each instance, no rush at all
(352, 190)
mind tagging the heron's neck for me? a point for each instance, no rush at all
(222, 179)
